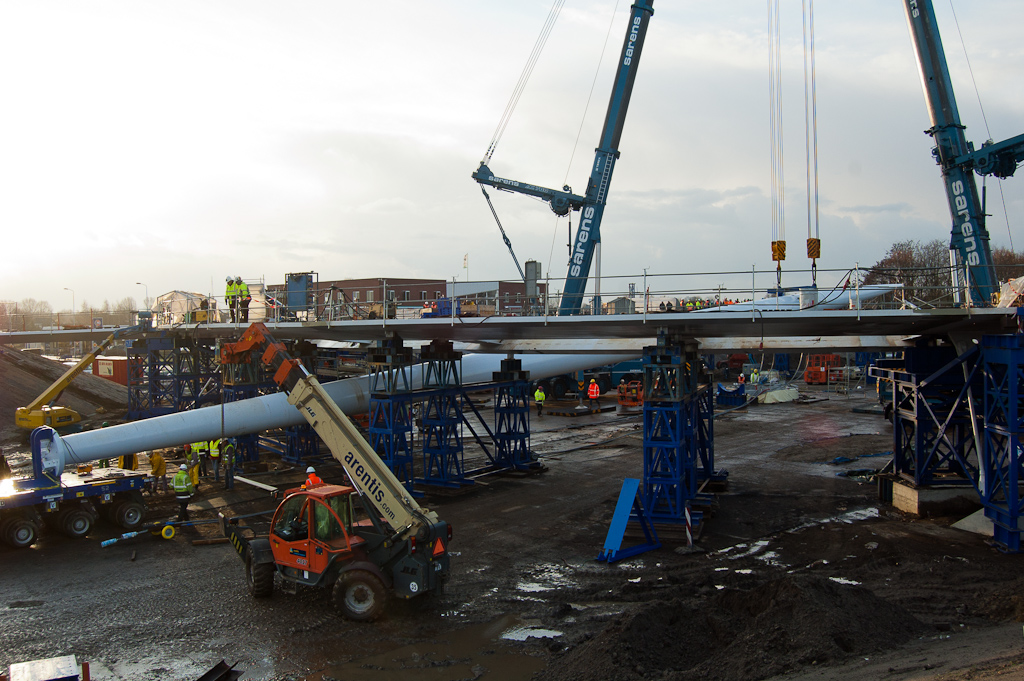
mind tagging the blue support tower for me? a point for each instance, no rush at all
(1003, 369)
(512, 417)
(243, 382)
(168, 374)
(391, 406)
(671, 429)
(443, 463)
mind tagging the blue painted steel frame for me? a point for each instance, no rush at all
(167, 374)
(512, 426)
(391, 433)
(1004, 424)
(933, 441)
(678, 433)
(443, 463)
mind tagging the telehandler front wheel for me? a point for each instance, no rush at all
(258, 576)
(360, 595)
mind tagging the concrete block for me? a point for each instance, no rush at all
(933, 500)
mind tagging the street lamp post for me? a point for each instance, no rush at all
(72, 298)
(146, 300)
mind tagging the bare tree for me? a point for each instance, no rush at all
(1009, 264)
(922, 268)
(33, 306)
(125, 305)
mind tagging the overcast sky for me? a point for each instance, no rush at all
(173, 143)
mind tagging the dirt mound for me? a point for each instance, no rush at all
(769, 629)
(24, 376)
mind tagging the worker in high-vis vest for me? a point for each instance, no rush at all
(230, 294)
(200, 456)
(243, 298)
(538, 397)
(594, 392)
(215, 458)
(183, 490)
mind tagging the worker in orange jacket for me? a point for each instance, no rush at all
(594, 392)
(312, 478)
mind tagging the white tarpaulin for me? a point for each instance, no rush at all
(1010, 292)
(183, 307)
(779, 395)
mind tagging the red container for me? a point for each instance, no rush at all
(111, 368)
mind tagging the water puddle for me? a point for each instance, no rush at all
(841, 580)
(24, 604)
(547, 577)
(528, 631)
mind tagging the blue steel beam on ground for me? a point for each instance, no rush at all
(630, 506)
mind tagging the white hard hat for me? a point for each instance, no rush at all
(311, 470)
(183, 467)
(228, 278)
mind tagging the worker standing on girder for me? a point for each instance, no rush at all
(183, 491)
(243, 297)
(230, 294)
(594, 393)
(539, 397)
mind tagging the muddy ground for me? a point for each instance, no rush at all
(800, 574)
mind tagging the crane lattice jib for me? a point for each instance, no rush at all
(969, 238)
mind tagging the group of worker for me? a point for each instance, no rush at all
(199, 456)
(593, 395)
(237, 298)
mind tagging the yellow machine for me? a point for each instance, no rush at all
(42, 411)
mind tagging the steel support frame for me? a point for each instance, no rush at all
(512, 417)
(678, 433)
(168, 374)
(933, 437)
(443, 462)
(1001, 471)
(391, 433)
(390, 365)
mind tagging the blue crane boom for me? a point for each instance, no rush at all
(958, 159)
(591, 205)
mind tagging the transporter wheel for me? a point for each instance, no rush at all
(360, 595)
(20, 532)
(76, 523)
(559, 387)
(604, 384)
(129, 514)
(258, 576)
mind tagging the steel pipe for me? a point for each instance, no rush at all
(273, 411)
